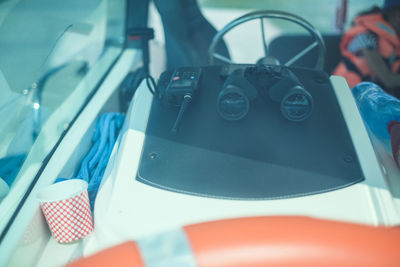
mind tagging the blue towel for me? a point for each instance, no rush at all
(95, 162)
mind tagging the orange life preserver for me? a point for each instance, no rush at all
(259, 241)
(355, 68)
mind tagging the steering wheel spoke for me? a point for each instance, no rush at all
(222, 58)
(301, 54)
(263, 37)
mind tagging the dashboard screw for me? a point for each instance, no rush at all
(348, 159)
(153, 155)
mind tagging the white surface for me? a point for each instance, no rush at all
(32, 242)
(62, 190)
(128, 209)
(390, 171)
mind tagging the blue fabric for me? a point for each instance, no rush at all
(377, 107)
(95, 162)
(10, 166)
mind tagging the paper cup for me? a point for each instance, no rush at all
(66, 208)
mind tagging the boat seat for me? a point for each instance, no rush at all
(188, 33)
(285, 47)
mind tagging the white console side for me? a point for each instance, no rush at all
(127, 209)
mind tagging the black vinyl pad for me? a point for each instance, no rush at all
(262, 156)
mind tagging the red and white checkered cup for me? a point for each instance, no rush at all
(66, 208)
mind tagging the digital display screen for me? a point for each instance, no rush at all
(182, 83)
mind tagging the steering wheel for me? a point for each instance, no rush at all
(318, 41)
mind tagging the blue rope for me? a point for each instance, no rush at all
(95, 162)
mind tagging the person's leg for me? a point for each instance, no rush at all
(187, 33)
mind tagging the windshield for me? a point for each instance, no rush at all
(52, 56)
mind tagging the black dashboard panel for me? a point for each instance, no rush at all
(262, 156)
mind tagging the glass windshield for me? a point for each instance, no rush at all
(52, 56)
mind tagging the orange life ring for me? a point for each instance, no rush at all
(271, 241)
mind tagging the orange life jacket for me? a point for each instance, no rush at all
(354, 68)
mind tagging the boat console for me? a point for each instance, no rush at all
(263, 164)
(277, 149)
